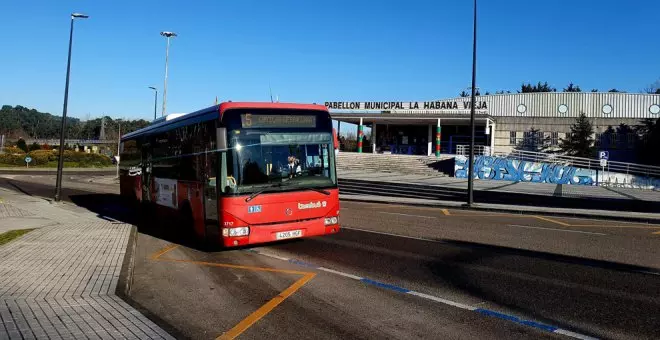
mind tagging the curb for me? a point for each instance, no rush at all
(125, 282)
(457, 205)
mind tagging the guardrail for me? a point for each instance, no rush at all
(585, 163)
(70, 141)
(479, 150)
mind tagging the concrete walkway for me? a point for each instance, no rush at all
(59, 281)
(518, 209)
(545, 189)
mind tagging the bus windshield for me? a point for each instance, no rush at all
(265, 155)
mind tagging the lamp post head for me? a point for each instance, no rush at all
(79, 15)
(168, 34)
(153, 88)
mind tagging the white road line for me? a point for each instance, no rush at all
(395, 235)
(273, 256)
(564, 230)
(441, 300)
(573, 334)
(409, 215)
(354, 277)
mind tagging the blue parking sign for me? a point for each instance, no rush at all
(603, 155)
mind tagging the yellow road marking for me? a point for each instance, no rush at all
(265, 309)
(551, 220)
(446, 212)
(251, 319)
(235, 266)
(162, 252)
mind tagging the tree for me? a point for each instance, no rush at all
(540, 87)
(572, 88)
(579, 142)
(649, 139)
(487, 93)
(594, 90)
(464, 94)
(35, 146)
(22, 145)
(502, 92)
(614, 90)
(532, 141)
(653, 88)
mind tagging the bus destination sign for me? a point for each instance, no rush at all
(249, 120)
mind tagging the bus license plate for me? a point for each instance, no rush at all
(288, 234)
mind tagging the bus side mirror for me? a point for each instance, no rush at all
(221, 138)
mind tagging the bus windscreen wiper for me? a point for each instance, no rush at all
(325, 192)
(276, 185)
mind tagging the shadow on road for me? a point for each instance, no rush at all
(565, 291)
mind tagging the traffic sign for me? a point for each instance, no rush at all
(603, 162)
(604, 155)
(28, 159)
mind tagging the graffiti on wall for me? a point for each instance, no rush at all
(498, 168)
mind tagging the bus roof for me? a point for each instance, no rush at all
(215, 112)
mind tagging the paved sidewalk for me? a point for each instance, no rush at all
(59, 281)
(519, 209)
(544, 189)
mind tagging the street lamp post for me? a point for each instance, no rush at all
(168, 35)
(60, 162)
(470, 198)
(155, 99)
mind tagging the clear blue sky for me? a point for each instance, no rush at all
(315, 51)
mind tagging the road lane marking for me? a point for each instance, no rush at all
(564, 230)
(351, 276)
(402, 290)
(401, 214)
(551, 220)
(257, 315)
(392, 234)
(265, 309)
(446, 212)
(163, 251)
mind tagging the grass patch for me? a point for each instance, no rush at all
(12, 234)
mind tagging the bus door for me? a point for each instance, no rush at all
(146, 172)
(211, 182)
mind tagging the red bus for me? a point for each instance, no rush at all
(237, 173)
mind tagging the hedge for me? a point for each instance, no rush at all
(43, 157)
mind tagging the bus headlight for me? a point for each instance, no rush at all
(331, 220)
(234, 232)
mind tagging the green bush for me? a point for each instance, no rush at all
(12, 159)
(49, 158)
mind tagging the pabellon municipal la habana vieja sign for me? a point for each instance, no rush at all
(432, 105)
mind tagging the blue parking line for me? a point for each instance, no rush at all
(385, 285)
(516, 319)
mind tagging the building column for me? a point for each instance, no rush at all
(492, 138)
(373, 137)
(429, 143)
(438, 136)
(360, 136)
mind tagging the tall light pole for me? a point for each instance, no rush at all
(167, 35)
(470, 198)
(155, 99)
(60, 162)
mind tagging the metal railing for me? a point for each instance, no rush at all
(479, 150)
(581, 162)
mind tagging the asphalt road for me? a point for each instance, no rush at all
(401, 273)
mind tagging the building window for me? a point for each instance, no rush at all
(654, 109)
(512, 137)
(554, 138)
(607, 109)
(521, 108)
(563, 108)
(597, 139)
